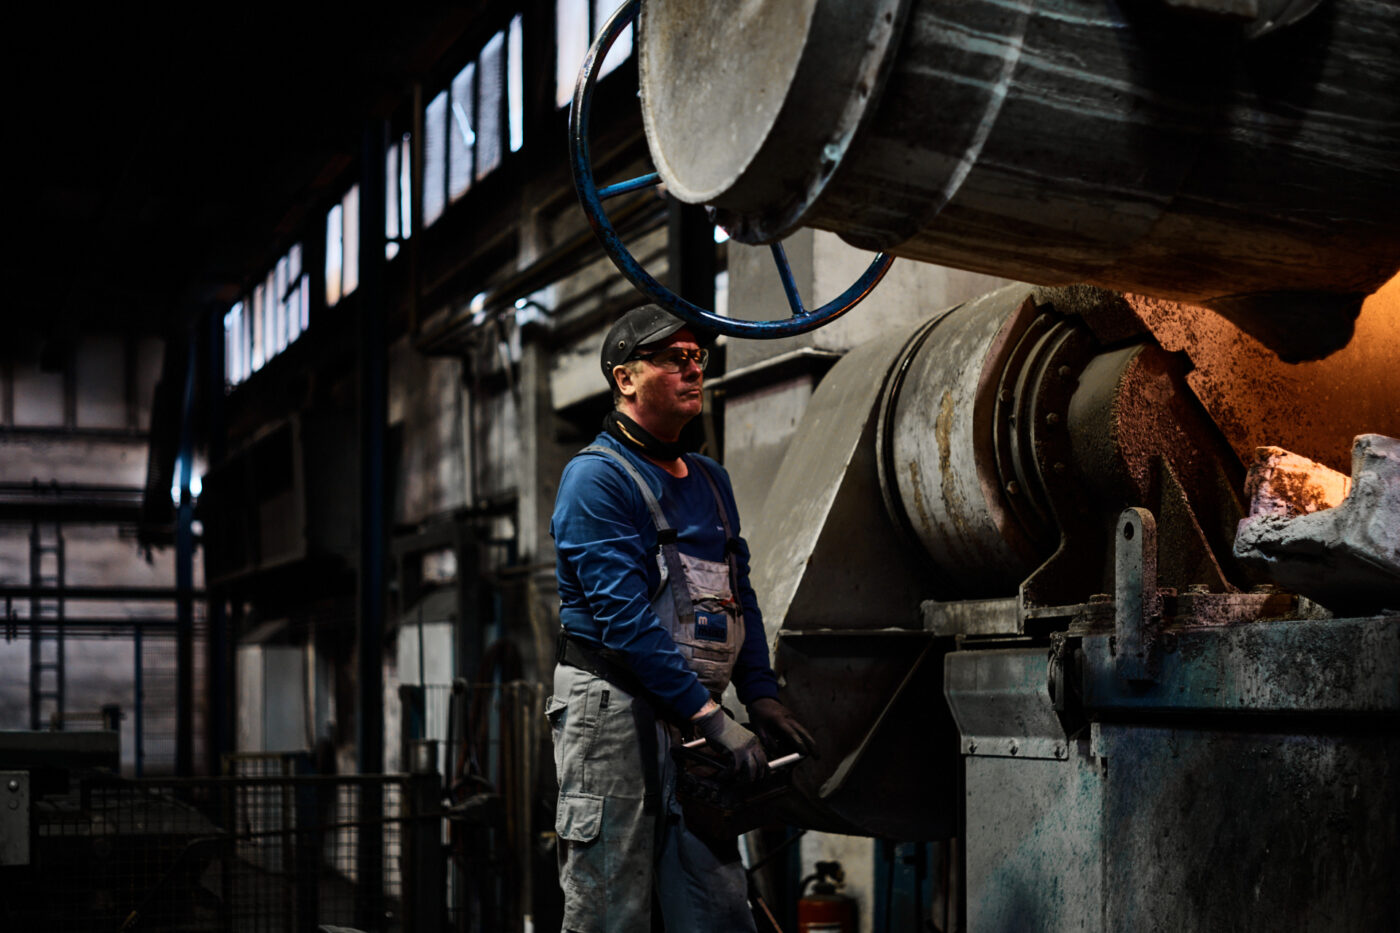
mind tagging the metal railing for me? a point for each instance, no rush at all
(261, 852)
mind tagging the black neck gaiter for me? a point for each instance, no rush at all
(634, 437)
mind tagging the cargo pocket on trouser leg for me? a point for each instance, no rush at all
(606, 840)
(605, 863)
(577, 822)
(605, 874)
(579, 818)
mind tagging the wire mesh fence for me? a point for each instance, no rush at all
(260, 853)
(129, 664)
(492, 787)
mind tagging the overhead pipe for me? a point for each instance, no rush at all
(1251, 167)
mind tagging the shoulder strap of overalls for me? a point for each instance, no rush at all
(730, 542)
(665, 534)
(644, 713)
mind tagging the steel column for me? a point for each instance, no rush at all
(219, 739)
(139, 689)
(425, 881)
(373, 415)
(184, 576)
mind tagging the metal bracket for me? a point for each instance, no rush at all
(1137, 606)
(1002, 703)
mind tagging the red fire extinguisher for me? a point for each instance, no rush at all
(825, 910)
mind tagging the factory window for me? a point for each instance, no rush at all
(334, 256)
(343, 247)
(515, 83)
(350, 265)
(576, 23)
(490, 97)
(469, 126)
(398, 194)
(269, 320)
(461, 138)
(434, 158)
(259, 329)
(276, 310)
(236, 340)
(297, 295)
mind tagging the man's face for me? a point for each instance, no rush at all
(661, 401)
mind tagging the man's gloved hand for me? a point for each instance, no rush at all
(776, 724)
(742, 745)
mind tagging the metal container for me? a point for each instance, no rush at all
(1211, 158)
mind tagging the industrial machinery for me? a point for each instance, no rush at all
(1241, 156)
(1004, 546)
(1009, 533)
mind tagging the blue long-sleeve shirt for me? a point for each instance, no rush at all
(606, 550)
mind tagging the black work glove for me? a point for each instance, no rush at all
(741, 744)
(777, 725)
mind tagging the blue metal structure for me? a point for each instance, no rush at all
(184, 572)
(592, 197)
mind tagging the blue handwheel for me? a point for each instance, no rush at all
(592, 198)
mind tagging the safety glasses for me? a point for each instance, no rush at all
(674, 359)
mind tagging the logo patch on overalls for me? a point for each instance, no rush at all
(711, 626)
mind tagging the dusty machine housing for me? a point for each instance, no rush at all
(1007, 589)
(1000, 556)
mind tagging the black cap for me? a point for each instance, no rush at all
(639, 327)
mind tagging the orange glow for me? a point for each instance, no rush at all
(1283, 483)
(1315, 408)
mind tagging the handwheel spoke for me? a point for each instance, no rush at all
(632, 184)
(789, 286)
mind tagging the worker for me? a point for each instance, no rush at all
(657, 617)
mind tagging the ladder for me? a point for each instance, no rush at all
(46, 673)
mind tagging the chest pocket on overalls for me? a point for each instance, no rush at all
(710, 637)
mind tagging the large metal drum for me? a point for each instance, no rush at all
(938, 461)
(1202, 156)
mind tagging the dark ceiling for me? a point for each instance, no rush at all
(163, 162)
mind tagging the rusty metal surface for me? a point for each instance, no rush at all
(1001, 440)
(1188, 828)
(1251, 783)
(1210, 829)
(937, 460)
(1332, 666)
(1032, 445)
(1009, 439)
(1140, 438)
(1314, 409)
(1137, 607)
(1034, 843)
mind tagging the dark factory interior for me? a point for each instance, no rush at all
(1054, 370)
